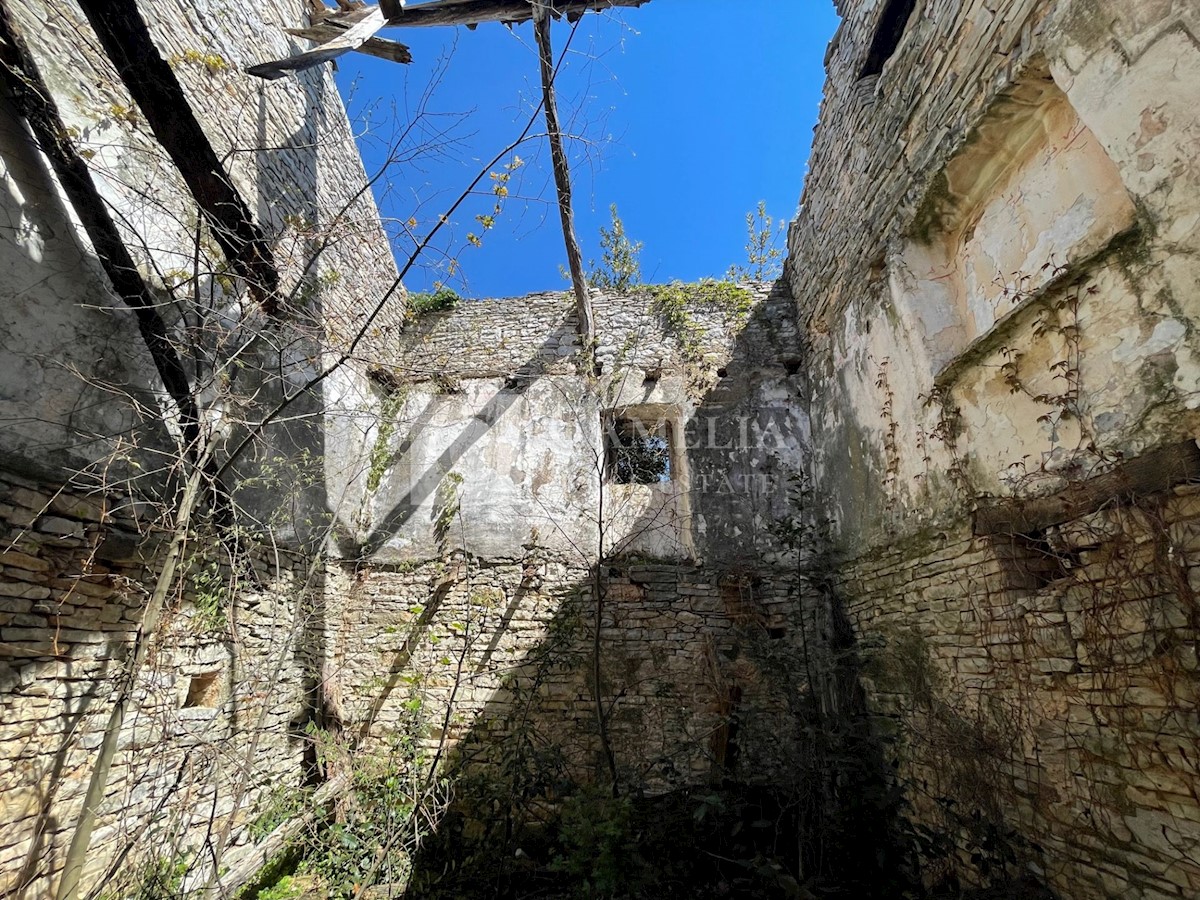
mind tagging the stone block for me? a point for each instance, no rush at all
(14, 559)
(24, 591)
(58, 526)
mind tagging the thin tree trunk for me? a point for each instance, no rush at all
(68, 885)
(587, 334)
(598, 596)
(562, 181)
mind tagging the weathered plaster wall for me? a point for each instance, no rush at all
(974, 203)
(289, 153)
(61, 339)
(492, 392)
(997, 271)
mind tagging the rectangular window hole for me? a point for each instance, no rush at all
(637, 450)
(204, 691)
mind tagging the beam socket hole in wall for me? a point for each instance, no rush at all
(204, 691)
(1031, 562)
(387, 380)
(637, 449)
(888, 33)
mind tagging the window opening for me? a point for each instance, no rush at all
(638, 451)
(888, 33)
(204, 690)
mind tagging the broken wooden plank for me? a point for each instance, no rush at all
(244, 864)
(350, 39)
(476, 12)
(392, 51)
(326, 26)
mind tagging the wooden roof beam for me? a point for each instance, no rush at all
(354, 28)
(322, 32)
(476, 12)
(350, 33)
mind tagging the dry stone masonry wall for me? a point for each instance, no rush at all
(481, 656)
(995, 265)
(1050, 687)
(210, 734)
(86, 440)
(492, 519)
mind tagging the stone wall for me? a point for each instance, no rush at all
(1050, 687)
(490, 523)
(289, 153)
(995, 265)
(492, 393)
(88, 440)
(210, 733)
(995, 269)
(464, 469)
(943, 156)
(478, 658)
(463, 597)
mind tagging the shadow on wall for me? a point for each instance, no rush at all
(62, 336)
(301, 439)
(492, 702)
(745, 767)
(47, 824)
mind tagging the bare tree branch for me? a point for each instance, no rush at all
(68, 885)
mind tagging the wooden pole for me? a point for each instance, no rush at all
(562, 181)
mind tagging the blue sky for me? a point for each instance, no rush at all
(686, 114)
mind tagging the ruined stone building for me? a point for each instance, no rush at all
(939, 482)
